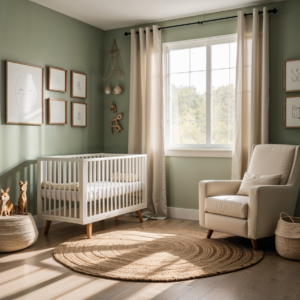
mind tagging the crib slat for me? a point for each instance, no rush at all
(115, 185)
(50, 180)
(75, 191)
(65, 182)
(45, 189)
(119, 170)
(70, 191)
(126, 171)
(94, 180)
(129, 182)
(59, 183)
(123, 190)
(90, 178)
(106, 185)
(54, 180)
(102, 188)
(99, 207)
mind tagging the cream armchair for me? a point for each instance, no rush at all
(254, 216)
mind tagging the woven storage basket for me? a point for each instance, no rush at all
(287, 237)
(17, 232)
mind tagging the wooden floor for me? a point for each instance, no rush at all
(34, 274)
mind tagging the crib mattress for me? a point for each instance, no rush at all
(96, 191)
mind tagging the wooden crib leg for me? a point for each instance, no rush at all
(140, 216)
(47, 227)
(89, 230)
(117, 218)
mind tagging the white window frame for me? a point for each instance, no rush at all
(204, 150)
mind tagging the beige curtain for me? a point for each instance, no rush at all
(146, 116)
(252, 88)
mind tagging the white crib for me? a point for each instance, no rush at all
(87, 188)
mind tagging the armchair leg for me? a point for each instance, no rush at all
(209, 233)
(254, 244)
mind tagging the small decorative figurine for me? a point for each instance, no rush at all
(117, 126)
(17, 209)
(6, 206)
(22, 203)
(112, 107)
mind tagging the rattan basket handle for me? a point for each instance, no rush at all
(287, 216)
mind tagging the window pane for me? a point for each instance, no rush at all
(198, 59)
(233, 51)
(231, 131)
(220, 81)
(220, 131)
(198, 83)
(232, 77)
(220, 56)
(180, 85)
(198, 132)
(180, 108)
(179, 61)
(198, 107)
(220, 106)
(180, 132)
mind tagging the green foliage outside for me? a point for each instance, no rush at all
(189, 115)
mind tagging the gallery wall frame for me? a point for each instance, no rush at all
(292, 112)
(292, 75)
(57, 80)
(57, 111)
(78, 114)
(78, 85)
(24, 94)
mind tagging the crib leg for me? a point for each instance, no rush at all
(89, 230)
(117, 218)
(47, 227)
(140, 216)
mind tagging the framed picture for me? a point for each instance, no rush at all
(292, 75)
(292, 112)
(78, 85)
(79, 114)
(24, 94)
(57, 111)
(57, 80)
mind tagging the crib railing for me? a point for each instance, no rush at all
(86, 188)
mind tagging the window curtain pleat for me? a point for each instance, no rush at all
(146, 115)
(252, 88)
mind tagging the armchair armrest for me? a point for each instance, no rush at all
(208, 188)
(266, 202)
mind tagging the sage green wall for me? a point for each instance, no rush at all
(33, 34)
(183, 174)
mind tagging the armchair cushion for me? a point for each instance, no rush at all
(232, 206)
(272, 160)
(250, 180)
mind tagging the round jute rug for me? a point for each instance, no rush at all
(156, 254)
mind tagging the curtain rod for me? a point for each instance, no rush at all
(274, 11)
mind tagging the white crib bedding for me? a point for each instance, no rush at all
(105, 189)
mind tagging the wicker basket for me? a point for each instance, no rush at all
(287, 237)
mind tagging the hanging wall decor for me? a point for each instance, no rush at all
(24, 94)
(57, 80)
(112, 107)
(113, 66)
(79, 114)
(292, 75)
(116, 125)
(78, 85)
(57, 111)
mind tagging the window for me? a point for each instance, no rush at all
(199, 93)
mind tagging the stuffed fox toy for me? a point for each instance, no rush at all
(22, 203)
(6, 206)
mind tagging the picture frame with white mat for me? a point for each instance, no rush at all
(292, 111)
(24, 94)
(78, 114)
(78, 85)
(57, 111)
(57, 80)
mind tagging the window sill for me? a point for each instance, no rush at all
(199, 152)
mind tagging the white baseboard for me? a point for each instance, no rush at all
(183, 213)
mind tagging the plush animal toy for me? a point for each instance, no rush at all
(22, 203)
(6, 207)
(17, 209)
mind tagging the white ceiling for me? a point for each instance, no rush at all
(111, 14)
